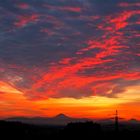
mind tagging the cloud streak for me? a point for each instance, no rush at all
(70, 49)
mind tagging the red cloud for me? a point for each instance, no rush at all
(63, 83)
(82, 75)
(125, 4)
(23, 6)
(121, 21)
(48, 31)
(71, 9)
(63, 79)
(64, 8)
(65, 61)
(25, 20)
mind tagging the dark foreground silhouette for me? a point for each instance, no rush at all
(79, 130)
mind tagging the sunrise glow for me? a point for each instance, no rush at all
(80, 58)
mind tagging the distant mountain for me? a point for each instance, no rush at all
(60, 119)
(61, 116)
(134, 121)
(121, 121)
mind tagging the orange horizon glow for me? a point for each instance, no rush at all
(77, 57)
(13, 103)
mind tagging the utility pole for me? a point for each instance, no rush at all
(116, 122)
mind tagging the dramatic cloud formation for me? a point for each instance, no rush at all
(69, 48)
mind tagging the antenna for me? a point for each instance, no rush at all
(116, 122)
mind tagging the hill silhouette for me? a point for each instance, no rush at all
(87, 130)
(60, 119)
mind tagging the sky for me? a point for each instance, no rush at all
(77, 57)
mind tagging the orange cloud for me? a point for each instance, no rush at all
(6, 88)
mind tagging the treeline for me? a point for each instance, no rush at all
(79, 130)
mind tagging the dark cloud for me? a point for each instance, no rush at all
(72, 48)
